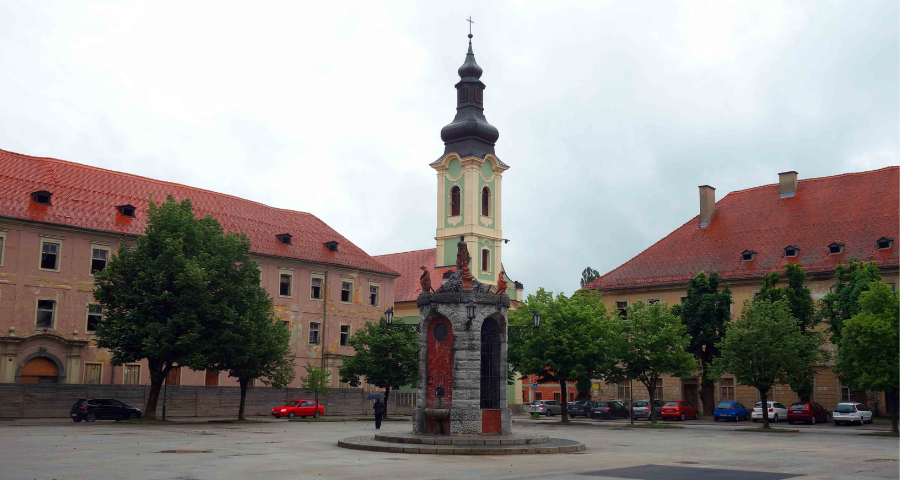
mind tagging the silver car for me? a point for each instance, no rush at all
(851, 412)
(641, 409)
(545, 407)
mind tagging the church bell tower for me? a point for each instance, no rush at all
(469, 178)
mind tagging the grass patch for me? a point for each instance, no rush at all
(235, 420)
(881, 434)
(882, 460)
(145, 420)
(654, 425)
(320, 419)
(881, 420)
(535, 416)
(766, 430)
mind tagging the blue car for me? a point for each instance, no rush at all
(730, 410)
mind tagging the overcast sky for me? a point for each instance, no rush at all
(610, 113)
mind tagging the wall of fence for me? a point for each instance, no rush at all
(55, 400)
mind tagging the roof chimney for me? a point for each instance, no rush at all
(707, 204)
(787, 184)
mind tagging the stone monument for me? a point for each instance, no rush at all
(462, 402)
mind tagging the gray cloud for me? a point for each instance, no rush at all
(610, 113)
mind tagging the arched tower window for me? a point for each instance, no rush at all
(490, 364)
(486, 202)
(485, 260)
(454, 201)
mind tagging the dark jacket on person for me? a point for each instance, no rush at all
(379, 407)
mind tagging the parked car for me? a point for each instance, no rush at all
(777, 412)
(93, 409)
(730, 410)
(851, 412)
(582, 408)
(298, 408)
(809, 412)
(679, 409)
(545, 407)
(641, 409)
(609, 410)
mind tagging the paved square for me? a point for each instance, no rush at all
(61, 449)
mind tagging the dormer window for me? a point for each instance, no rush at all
(42, 197)
(126, 210)
(835, 248)
(885, 242)
(284, 238)
(791, 251)
(747, 255)
(332, 246)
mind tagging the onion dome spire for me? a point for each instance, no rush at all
(469, 133)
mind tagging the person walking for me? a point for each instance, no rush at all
(379, 411)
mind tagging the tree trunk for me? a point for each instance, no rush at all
(387, 393)
(564, 400)
(244, 382)
(765, 406)
(158, 372)
(707, 391)
(651, 386)
(892, 405)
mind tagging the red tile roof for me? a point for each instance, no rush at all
(406, 288)
(854, 209)
(87, 197)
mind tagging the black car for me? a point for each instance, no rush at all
(93, 409)
(609, 410)
(582, 408)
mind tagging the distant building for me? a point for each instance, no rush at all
(60, 221)
(818, 223)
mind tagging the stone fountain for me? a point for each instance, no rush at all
(462, 401)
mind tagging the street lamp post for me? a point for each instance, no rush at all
(389, 318)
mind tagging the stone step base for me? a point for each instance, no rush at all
(552, 445)
(462, 440)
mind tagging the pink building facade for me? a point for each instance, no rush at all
(60, 221)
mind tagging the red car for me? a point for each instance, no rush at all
(678, 409)
(298, 408)
(810, 412)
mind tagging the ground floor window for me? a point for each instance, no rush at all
(92, 373)
(624, 390)
(132, 375)
(556, 396)
(538, 396)
(212, 378)
(658, 389)
(726, 389)
(174, 376)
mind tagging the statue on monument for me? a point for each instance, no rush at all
(462, 262)
(501, 283)
(425, 281)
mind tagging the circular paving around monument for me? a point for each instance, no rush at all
(462, 445)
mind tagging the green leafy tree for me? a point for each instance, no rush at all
(705, 313)
(802, 307)
(842, 302)
(588, 275)
(761, 347)
(164, 296)
(316, 381)
(868, 356)
(577, 339)
(656, 345)
(255, 347)
(386, 356)
(583, 387)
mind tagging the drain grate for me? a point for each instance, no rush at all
(185, 451)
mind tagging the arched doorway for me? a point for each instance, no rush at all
(39, 370)
(490, 364)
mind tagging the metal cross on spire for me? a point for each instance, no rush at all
(470, 25)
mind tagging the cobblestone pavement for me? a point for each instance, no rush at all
(297, 450)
